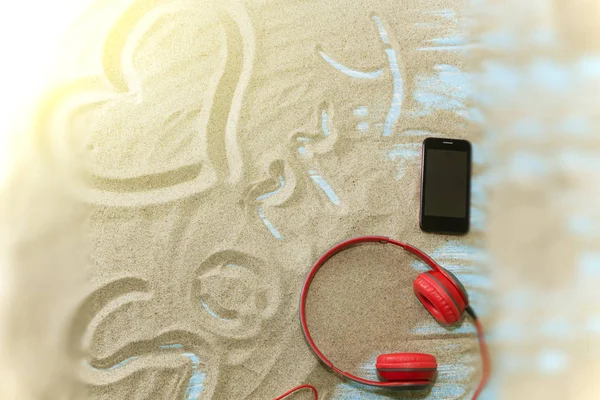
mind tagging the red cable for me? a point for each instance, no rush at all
(311, 387)
(485, 358)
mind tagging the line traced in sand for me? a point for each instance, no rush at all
(396, 106)
(172, 346)
(221, 129)
(268, 224)
(349, 71)
(261, 212)
(382, 32)
(322, 183)
(196, 383)
(274, 192)
(243, 27)
(116, 366)
(325, 123)
(210, 311)
(398, 85)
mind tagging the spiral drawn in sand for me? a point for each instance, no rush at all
(144, 148)
(235, 294)
(238, 298)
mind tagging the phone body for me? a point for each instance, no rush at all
(445, 186)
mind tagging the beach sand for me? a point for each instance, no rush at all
(542, 235)
(203, 155)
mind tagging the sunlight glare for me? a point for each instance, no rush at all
(30, 34)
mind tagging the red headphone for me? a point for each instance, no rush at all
(442, 295)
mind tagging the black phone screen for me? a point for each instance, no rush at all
(446, 180)
(445, 190)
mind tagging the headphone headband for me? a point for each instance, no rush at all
(313, 271)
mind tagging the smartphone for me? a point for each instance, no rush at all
(445, 186)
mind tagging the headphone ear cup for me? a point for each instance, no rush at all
(457, 284)
(406, 367)
(436, 299)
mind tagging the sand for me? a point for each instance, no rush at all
(188, 165)
(543, 221)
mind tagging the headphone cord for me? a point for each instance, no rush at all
(485, 361)
(311, 387)
(485, 355)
